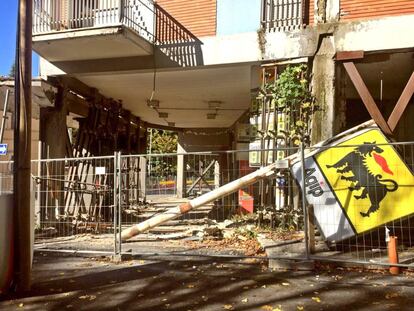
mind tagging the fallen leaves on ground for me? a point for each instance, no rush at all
(300, 308)
(316, 299)
(392, 295)
(88, 297)
(250, 247)
(228, 307)
(245, 300)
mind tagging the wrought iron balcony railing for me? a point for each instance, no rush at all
(144, 17)
(282, 15)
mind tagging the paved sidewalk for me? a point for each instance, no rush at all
(182, 283)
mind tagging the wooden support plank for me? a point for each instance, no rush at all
(76, 105)
(73, 84)
(402, 103)
(366, 97)
(349, 55)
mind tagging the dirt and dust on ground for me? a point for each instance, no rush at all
(66, 282)
(218, 266)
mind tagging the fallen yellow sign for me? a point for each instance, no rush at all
(357, 184)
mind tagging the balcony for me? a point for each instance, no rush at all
(285, 15)
(75, 30)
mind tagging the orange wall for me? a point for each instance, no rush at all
(363, 9)
(198, 16)
(311, 7)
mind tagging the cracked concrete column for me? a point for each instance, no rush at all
(323, 88)
(53, 132)
(326, 11)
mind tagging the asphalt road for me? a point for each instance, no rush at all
(183, 283)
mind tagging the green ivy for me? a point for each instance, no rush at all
(290, 94)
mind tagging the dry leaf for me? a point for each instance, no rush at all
(244, 300)
(267, 308)
(316, 299)
(300, 308)
(228, 307)
(21, 305)
(90, 297)
(391, 295)
(286, 284)
(190, 285)
(278, 308)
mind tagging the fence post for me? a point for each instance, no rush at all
(115, 203)
(119, 202)
(304, 208)
(142, 162)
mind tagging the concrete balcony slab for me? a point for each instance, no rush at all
(91, 43)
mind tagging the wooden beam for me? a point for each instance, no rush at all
(402, 103)
(349, 55)
(76, 105)
(366, 97)
(75, 85)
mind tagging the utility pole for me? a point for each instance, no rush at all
(22, 147)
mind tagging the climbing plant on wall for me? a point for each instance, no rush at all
(290, 95)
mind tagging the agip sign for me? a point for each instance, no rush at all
(357, 184)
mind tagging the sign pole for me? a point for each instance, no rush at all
(22, 147)
(304, 209)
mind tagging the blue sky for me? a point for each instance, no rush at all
(8, 15)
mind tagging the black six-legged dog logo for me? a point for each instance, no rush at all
(353, 168)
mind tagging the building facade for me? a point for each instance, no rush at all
(191, 65)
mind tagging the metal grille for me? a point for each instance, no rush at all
(281, 15)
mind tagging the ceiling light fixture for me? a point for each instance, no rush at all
(163, 115)
(153, 103)
(214, 104)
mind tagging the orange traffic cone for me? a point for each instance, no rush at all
(393, 255)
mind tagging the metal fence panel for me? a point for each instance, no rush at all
(76, 198)
(88, 201)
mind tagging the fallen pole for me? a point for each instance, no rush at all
(202, 200)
